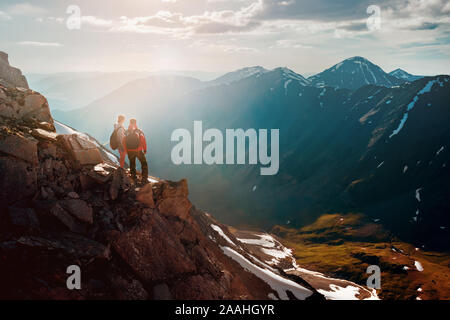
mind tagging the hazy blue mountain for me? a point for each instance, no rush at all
(67, 91)
(354, 73)
(239, 75)
(403, 75)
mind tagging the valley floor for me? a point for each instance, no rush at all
(343, 246)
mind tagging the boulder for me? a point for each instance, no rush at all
(73, 195)
(120, 182)
(128, 289)
(65, 218)
(24, 104)
(173, 200)
(47, 126)
(83, 151)
(172, 189)
(74, 245)
(145, 195)
(44, 134)
(78, 209)
(36, 107)
(178, 207)
(161, 292)
(24, 218)
(153, 251)
(19, 147)
(18, 180)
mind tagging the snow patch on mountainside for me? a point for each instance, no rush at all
(222, 234)
(411, 105)
(275, 281)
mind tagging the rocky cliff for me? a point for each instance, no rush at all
(64, 202)
(10, 76)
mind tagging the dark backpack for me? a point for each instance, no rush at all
(132, 139)
(113, 143)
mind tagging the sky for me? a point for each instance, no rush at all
(308, 36)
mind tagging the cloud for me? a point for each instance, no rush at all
(39, 44)
(221, 27)
(319, 10)
(4, 16)
(224, 47)
(290, 44)
(26, 9)
(210, 22)
(425, 26)
(94, 21)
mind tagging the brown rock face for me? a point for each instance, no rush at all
(153, 251)
(79, 209)
(18, 180)
(24, 104)
(83, 151)
(10, 76)
(19, 147)
(145, 195)
(173, 201)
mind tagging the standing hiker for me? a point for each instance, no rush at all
(116, 139)
(136, 147)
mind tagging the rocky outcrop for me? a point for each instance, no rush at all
(64, 203)
(10, 76)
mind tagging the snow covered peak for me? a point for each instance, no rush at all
(402, 74)
(357, 58)
(288, 74)
(354, 73)
(240, 74)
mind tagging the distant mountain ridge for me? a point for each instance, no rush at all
(354, 73)
(403, 75)
(341, 149)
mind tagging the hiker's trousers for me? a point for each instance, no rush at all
(122, 154)
(132, 155)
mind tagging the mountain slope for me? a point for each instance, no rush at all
(354, 73)
(403, 75)
(67, 91)
(238, 75)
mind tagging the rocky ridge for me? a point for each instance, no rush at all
(10, 76)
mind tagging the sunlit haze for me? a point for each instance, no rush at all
(217, 35)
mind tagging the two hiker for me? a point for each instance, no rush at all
(130, 142)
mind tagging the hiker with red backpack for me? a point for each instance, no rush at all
(136, 147)
(116, 139)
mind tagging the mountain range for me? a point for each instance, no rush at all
(361, 171)
(352, 139)
(66, 207)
